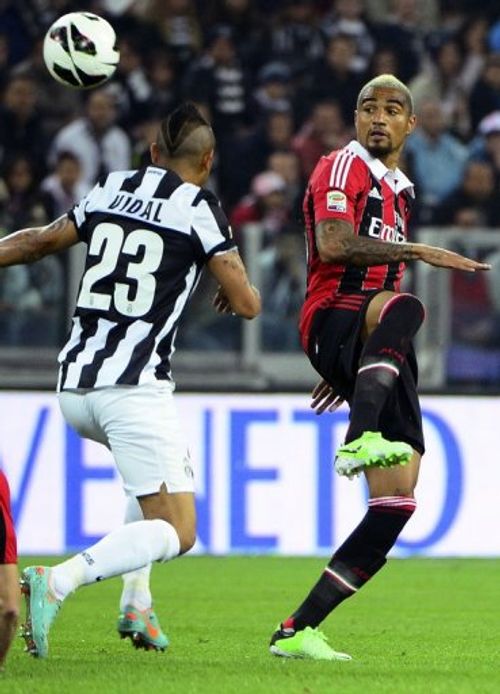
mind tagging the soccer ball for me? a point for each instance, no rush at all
(79, 50)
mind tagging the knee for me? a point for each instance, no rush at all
(408, 308)
(187, 539)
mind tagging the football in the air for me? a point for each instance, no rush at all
(80, 50)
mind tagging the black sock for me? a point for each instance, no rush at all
(356, 561)
(384, 352)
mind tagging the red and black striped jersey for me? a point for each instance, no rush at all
(351, 185)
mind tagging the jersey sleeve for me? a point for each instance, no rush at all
(335, 186)
(79, 212)
(210, 226)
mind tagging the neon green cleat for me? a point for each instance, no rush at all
(142, 628)
(42, 607)
(371, 450)
(309, 643)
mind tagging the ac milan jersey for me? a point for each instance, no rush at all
(149, 234)
(351, 185)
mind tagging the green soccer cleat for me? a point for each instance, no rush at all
(42, 607)
(142, 628)
(370, 450)
(309, 643)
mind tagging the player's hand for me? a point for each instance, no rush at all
(324, 398)
(440, 257)
(221, 303)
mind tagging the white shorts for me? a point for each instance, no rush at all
(140, 425)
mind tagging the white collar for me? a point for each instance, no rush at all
(396, 180)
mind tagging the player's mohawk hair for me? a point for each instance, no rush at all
(179, 125)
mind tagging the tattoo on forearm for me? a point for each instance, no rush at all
(339, 244)
(29, 245)
(57, 224)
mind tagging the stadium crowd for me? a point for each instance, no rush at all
(278, 80)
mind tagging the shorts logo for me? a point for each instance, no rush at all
(336, 201)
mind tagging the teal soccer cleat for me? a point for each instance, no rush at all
(142, 628)
(42, 607)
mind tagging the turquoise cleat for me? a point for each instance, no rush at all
(142, 628)
(42, 607)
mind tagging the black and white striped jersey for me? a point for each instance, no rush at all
(149, 234)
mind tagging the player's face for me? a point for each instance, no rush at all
(383, 122)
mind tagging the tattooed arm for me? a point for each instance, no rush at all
(235, 294)
(337, 243)
(28, 245)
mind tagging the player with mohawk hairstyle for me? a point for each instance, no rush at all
(150, 233)
(357, 329)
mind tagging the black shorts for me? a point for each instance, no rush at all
(335, 349)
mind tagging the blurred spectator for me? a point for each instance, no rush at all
(178, 23)
(130, 86)
(21, 202)
(473, 39)
(249, 153)
(247, 25)
(287, 165)
(64, 188)
(219, 80)
(402, 30)
(21, 123)
(435, 158)
(164, 84)
(385, 61)
(427, 11)
(486, 147)
(58, 103)
(17, 20)
(31, 296)
(442, 81)
(475, 203)
(295, 38)
(95, 139)
(274, 92)
(334, 78)
(283, 281)
(485, 95)
(267, 204)
(325, 130)
(346, 19)
(4, 60)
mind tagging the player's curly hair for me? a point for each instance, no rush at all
(176, 138)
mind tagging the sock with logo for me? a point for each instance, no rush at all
(125, 549)
(355, 562)
(136, 590)
(383, 354)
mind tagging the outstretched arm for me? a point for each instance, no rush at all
(337, 243)
(235, 294)
(28, 245)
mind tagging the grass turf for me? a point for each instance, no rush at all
(424, 625)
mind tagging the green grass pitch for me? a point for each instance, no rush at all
(422, 625)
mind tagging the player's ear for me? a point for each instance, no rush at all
(355, 117)
(154, 152)
(207, 159)
(412, 121)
